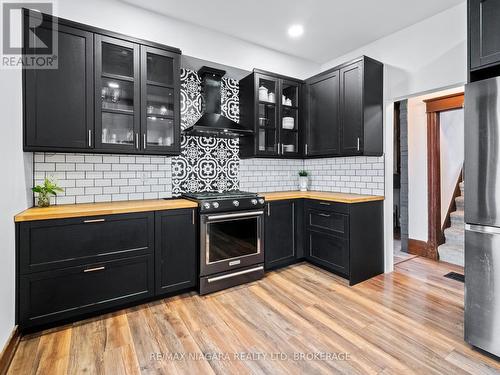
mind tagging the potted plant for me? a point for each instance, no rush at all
(303, 180)
(44, 191)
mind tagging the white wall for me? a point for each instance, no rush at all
(193, 40)
(424, 57)
(17, 174)
(452, 154)
(417, 170)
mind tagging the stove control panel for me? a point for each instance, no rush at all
(221, 205)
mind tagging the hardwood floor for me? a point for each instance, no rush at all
(409, 321)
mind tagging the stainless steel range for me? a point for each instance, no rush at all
(231, 238)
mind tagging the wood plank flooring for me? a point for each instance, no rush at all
(298, 320)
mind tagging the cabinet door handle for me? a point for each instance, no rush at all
(94, 269)
(306, 149)
(137, 141)
(144, 140)
(324, 203)
(94, 221)
(193, 217)
(324, 215)
(282, 153)
(90, 138)
(269, 209)
(358, 143)
(279, 145)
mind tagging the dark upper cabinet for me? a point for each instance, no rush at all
(111, 93)
(322, 137)
(484, 38)
(351, 108)
(345, 110)
(58, 103)
(280, 229)
(270, 105)
(176, 250)
(117, 94)
(160, 100)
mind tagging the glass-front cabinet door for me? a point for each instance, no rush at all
(267, 115)
(289, 118)
(117, 103)
(160, 102)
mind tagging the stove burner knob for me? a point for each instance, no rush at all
(206, 205)
(215, 204)
(254, 201)
(236, 203)
(261, 200)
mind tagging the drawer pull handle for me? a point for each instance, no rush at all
(324, 203)
(324, 215)
(94, 269)
(94, 221)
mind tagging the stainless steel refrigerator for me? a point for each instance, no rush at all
(482, 215)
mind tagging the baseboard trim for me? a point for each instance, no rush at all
(420, 248)
(9, 350)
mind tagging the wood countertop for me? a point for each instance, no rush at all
(321, 195)
(64, 211)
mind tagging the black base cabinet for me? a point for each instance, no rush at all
(346, 239)
(68, 269)
(281, 224)
(176, 251)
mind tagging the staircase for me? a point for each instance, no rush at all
(452, 251)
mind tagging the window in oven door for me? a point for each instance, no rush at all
(232, 236)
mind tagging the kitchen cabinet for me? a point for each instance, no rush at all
(58, 103)
(345, 110)
(270, 106)
(484, 39)
(58, 278)
(176, 250)
(322, 134)
(110, 94)
(117, 95)
(280, 246)
(346, 239)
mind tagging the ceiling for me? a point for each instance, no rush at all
(332, 27)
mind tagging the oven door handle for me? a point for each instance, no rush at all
(235, 216)
(234, 274)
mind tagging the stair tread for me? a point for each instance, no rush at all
(452, 253)
(458, 213)
(460, 198)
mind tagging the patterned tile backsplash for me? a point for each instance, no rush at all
(205, 164)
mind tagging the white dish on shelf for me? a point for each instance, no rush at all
(288, 123)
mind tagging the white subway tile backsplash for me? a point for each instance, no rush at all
(104, 178)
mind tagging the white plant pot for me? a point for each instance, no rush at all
(303, 180)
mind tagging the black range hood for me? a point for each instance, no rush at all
(212, 123)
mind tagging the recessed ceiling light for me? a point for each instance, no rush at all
(295, 31)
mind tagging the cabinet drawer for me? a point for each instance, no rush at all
(53, 244)
(50, 296)
(342, 208)
(329, 251)
(328, 221)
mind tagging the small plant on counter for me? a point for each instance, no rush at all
(303, 180)
(44, 191)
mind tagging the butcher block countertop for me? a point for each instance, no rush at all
(321, 195)
(64, 211)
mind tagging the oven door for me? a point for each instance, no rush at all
(230, 241)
